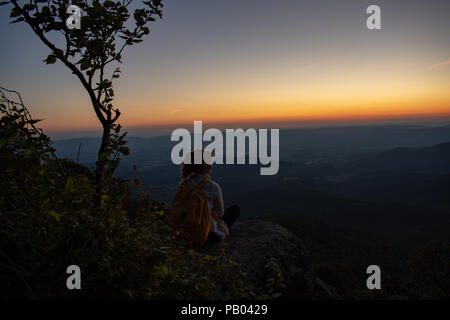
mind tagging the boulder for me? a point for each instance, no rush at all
(264, 250)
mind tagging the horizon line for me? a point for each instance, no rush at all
(435, 119)
(161, 132)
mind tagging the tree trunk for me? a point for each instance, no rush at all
(100, 165)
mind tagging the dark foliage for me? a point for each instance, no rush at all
(125, 248)
(340, 257)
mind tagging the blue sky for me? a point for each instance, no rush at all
(214, 59)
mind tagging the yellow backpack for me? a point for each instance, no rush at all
(190, 213)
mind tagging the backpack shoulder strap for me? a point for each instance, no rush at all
(183, 184)
(203, 183)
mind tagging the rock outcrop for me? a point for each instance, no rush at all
(262, 249)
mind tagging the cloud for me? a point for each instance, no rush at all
(439, 65)
(174, 111)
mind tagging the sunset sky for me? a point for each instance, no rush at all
(244, 61)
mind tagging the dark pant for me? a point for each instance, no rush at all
(229, 217)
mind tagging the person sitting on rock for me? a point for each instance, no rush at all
(198, 175)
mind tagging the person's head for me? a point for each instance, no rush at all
(189, 167)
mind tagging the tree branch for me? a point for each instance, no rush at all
(58, 53)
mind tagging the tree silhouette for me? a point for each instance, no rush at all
(106, 29)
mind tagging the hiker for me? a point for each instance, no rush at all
(197, 210)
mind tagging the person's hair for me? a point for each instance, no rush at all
(189, 168)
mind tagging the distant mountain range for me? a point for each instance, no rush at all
(406, 175)
(385, 178)
(295, 144)
(434, 158)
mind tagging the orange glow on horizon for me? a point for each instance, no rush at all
(348, 115)
(317, 95)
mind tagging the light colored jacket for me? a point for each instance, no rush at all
(215, 201)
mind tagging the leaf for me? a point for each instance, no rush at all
(124, 150)
(14, 13)
(164, 270)
(28, 6)
(51, 58)
(69, 185)
(54, 215)
(3, 2)
(159, 212)
(85, 64)
(161, 270)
